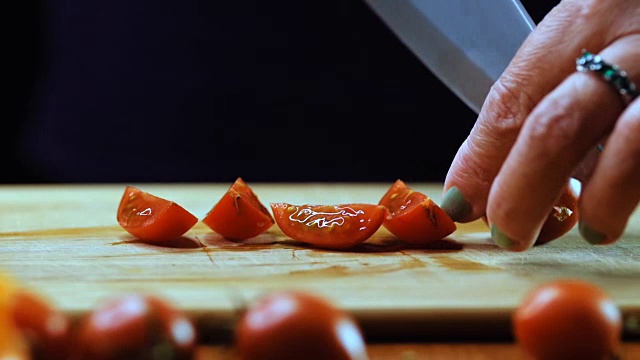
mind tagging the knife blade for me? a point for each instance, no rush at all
(466, 44)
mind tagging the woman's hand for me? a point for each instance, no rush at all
(543, 120)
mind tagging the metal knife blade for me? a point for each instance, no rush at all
(467, 44)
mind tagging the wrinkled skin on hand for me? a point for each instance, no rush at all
(541, 122)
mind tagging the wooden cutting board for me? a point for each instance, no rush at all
(64, 242)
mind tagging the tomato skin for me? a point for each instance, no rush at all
(46, 329)
(562, 218)
(12, 344)
(329, 226)
(568, 319)
(135, 326)
(413, 217)
(152, 219)
(298, 325)
(239, 214)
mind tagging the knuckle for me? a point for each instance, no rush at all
(555, 122)
(508, 104)
(582, 10)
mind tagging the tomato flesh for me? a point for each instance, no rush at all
(562, 218)
(568, 319)
(413, 217)
(151, 218)
(298, 325)
(135, 326)
(329, 226)
(239, 214)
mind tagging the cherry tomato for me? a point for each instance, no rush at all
(414, 217)
(239, 214)
(151, 218)
(298, 325)
(12, 344)
(135, 326)
(562, 217)
(329, 226)
(568, 319)
(46, 329)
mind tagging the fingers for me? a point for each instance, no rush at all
(542, 63)
(613, 192)
(557, 135)
(584, 170)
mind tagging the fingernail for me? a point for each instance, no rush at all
(592, 236)
(455, 205)
(500, 239)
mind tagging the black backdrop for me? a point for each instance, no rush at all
(120, 91)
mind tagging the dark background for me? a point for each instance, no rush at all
(190, 91)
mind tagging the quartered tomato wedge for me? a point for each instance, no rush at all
(151, 218)
(414, 217)
(329, 226)
(239, 214)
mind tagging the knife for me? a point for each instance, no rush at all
(467, 44)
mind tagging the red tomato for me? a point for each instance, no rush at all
(562, 217)
(12, 344)
(414, 217)
(568, 319)
(135, 326)
(329, 226)
(298, 325)
(239, 214)
(152, 219)
(47, 330)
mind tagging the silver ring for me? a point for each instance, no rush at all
(612, 74)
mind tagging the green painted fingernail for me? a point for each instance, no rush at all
(455, 205)
(500, 239)
(592, 236)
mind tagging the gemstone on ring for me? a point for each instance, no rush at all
(615, 76)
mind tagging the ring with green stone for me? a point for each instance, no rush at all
(615, 76)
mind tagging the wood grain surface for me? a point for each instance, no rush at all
(64, 242)
(421, 351)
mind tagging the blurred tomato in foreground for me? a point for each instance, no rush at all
(298, 325)
(135, 326)
(47, 331)
(568, 319)
(12, 344)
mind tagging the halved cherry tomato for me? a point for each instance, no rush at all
(414, 217)
(329, 226)
(151, 218)
(46, 329)
(568, 319)
(239, 214)
(298, 325)
(135, 326)
(562, 218)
